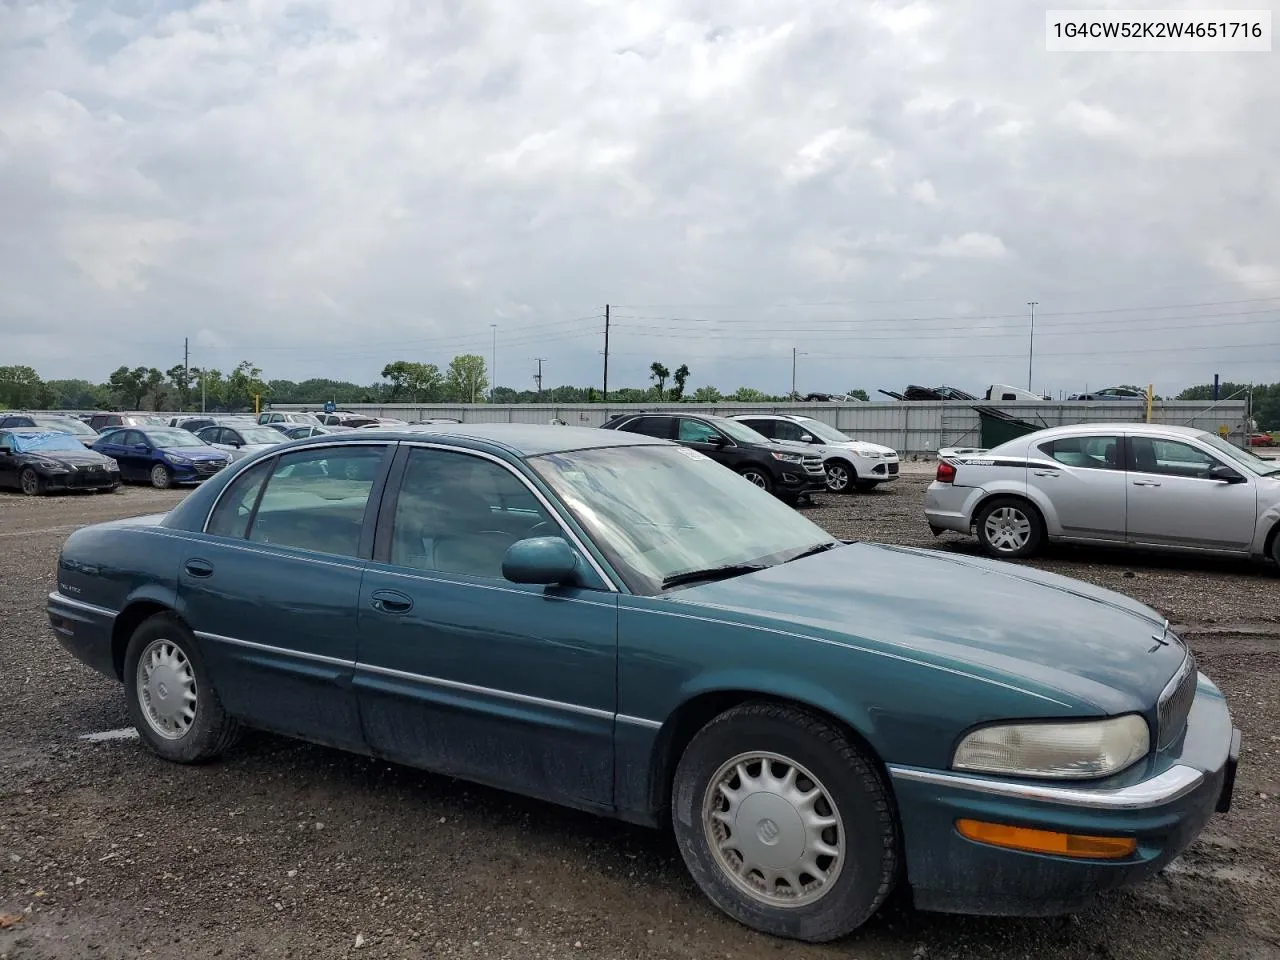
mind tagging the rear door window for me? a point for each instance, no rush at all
(650, 427)
(1096, 453)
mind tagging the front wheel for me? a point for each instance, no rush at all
(1010, 528)
(785, 823)
(32, 483)
(757, 476)
(171, 699)
(161, 477)
(841, 476)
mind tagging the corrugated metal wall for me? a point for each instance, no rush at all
(911, 427)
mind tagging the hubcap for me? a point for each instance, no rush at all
(1008, 529)
(167, 689)
(159, 476)
(773, 829)
(837, 478)
(756, 478)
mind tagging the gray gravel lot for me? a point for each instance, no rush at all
(284, 849)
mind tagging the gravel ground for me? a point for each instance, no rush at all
(284, 849)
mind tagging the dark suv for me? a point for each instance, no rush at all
(785, 471)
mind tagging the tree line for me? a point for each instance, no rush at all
(465, 379)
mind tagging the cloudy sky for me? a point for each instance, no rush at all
(321, 186)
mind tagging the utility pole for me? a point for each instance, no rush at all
(793, 373)
(606, 353)
(186, 372)
(493, 367)
(1031, 347)
(537, 377)
(202, 391)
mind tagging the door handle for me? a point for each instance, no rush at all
(390, 601)
(1046, 473)
(1146, 483)
(199, 568)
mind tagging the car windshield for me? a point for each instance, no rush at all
(65, 426)
(259, 434)
(738, 431)
(1248, 459)
(823, 431)
(44, 442)
(659, 511)
(174, 438)
(142, 421)
(305, 418)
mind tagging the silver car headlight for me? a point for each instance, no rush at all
(1069, 750)
(869, 454)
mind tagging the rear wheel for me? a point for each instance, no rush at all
(841, 476)
(1010, 528)
(757, 476)
(784, 823)
(31, 482)
(161, 477)
(171, 699)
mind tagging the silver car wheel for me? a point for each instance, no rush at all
(167, 689)
(773, 829)
(759, 479)
(1008, 529)
(837, 477)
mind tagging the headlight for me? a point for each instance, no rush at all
(869, 454)
(1071, 750)
(54, 465)
(789, 457)
(174, 458)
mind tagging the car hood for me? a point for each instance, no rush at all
(194, 453)
(1031, 629)
(78, 458)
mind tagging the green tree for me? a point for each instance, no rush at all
(21, 386)
(748, 395)
(858, 394)
(413, 382)
(244, 383)
(128, 386)
(707, 395)
(467, 378)
(74, 395)
(679, 379)
(155, 387)
(659, 374)
(182, 378)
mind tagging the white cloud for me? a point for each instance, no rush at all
(923, 192)
(972, 246)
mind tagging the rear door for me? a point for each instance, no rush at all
(271, 588)
(1084, 480)
(661, 427)
(762, 425)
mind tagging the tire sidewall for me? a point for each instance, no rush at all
(200, 741)
(168, 476)
(858, 891)
(1031, 513)
(760, 472)
(37, 487)
(851, 476)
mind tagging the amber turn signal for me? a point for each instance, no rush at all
(1047, 841)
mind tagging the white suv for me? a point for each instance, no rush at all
(851, 464)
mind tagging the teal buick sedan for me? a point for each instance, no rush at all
(620, 624)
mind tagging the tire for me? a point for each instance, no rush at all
(853, 800)
(161, 477)
(759, 476)
(30, 482)
(1010, 528)
(841, 476)
(209, 730)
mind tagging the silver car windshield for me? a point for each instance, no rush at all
(824, 431)
(1250, 461)
(657, 511)
(259, 434)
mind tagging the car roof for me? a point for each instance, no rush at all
(1111, 426)
(25, 431)
(521, 439)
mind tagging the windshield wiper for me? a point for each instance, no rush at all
(820, 548)
(712, 573)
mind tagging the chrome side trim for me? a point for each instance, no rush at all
(639, 722)
(547, 505)
(486, 691)
(56, 597)
(282, 651)
(1173, 784)
(425, 576)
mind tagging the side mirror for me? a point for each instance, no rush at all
(808, 438)
(545, 560)
(236, 443)
(1225, 474)
(5, 448)
(718, 441)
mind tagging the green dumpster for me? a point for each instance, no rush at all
(997, 427)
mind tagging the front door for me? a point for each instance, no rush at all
(271, 588)
(465, 673)
(8, 462)
(1084, 480)
(1174, 502)
(703, 437)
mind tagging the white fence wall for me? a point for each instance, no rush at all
(912, 428)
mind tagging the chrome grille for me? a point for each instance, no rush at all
(814, 465)
(1175, 703)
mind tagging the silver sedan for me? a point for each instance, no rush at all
(1137, 485)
